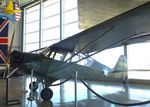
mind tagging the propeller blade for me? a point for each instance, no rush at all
(8, 56)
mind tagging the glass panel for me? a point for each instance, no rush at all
(48, 43)
(51, 33)
(31, 47)
(50, 2)
(51, 22)
(52, 55)
(69, 4)
(51, 10)
(138, 59)
(34, 8)
(32, 27)
(71, 29)
(71, 25)
(71, 16)
(32, 37)
(31, 16)
(138, 56)
(58, 56)
(108, 59)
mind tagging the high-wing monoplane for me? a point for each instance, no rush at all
(10, 8)
(63, 59)
(11, 12)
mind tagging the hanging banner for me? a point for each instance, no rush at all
(3, 40)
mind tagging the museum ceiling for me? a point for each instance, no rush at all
(92, 12)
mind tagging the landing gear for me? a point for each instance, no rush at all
(125, 83)
(46, 94)
(125, 80)
(35, 86)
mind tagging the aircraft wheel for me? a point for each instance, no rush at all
(124, 80)
(46, 94)
(35, 86)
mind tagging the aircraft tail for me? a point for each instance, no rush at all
(121, 64)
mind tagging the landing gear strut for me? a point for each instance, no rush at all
(125, 83)
(46, 94)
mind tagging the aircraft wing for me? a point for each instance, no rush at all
(117, 31)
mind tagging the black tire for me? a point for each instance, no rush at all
(125, 80)
(35, 86)
(46, 94)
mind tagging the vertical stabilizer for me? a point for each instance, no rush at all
(121, 64)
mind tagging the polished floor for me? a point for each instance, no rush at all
(64, 95)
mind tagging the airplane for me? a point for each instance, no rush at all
(10, 8)
(61, 60)
(11, 12)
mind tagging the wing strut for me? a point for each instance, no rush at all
(8, 56)
(76, 53)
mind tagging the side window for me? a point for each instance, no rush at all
(59, 56)
(139, 61)
(55, 55)
(52, 54)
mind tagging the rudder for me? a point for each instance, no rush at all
(121, 64)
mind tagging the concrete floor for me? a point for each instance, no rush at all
(64, 94)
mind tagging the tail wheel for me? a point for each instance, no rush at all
(46, 94)
(35, 86)
(125, 80)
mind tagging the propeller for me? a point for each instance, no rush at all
(7, 62)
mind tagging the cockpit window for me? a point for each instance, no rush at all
(59, 56)
(47, 54)
(54, 55)
(67, 57)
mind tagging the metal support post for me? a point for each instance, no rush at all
(24, 86)
(31, 97)
(10, 102)
(76, 77)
